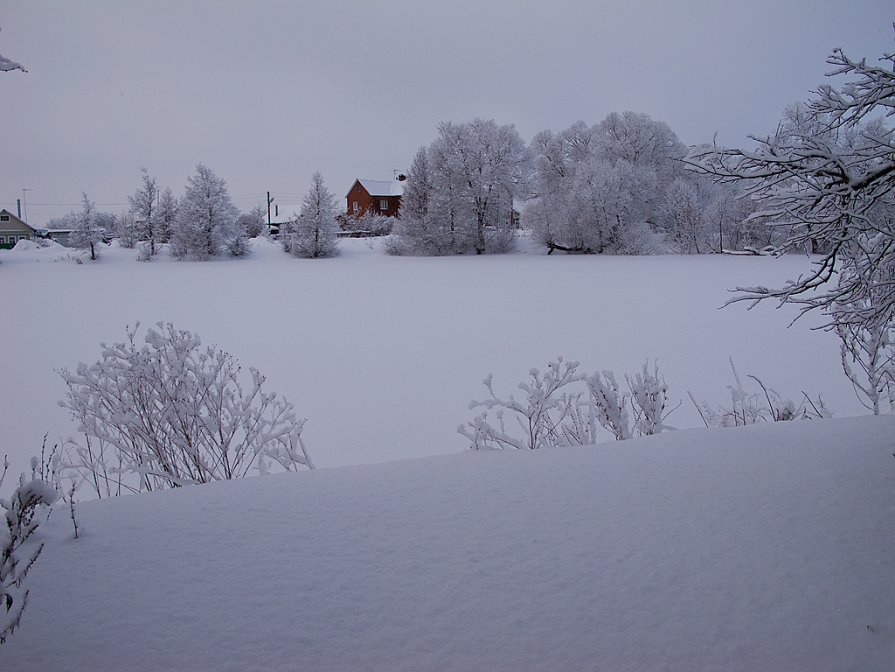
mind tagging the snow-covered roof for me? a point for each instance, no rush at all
(280, 214)
(383, 187)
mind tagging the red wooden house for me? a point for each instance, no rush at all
(381, 197)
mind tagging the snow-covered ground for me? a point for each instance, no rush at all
(760, 548)
(383, 354)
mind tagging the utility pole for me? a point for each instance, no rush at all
(269, 201)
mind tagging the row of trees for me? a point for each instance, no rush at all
(203, 223)
(620, 186)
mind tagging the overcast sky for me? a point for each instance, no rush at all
(265, 93)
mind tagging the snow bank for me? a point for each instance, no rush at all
(764, 548)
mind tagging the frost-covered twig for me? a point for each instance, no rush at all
(24, 510)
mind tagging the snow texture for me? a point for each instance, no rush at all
(759, 548)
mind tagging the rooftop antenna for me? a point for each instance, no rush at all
(25, 203)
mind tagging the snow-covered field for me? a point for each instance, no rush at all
(760, 548)
(383, 354)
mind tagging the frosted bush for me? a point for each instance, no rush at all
(539, 414)
(761, 405)
(172, 413)
(24, 511)
(564, 407)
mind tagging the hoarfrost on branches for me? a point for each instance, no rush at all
(827, 178)
(556, 410)
(172, 413)
(762, 405)
(206, 219)
(460, 191)
(597, 189)
(24, 511)
(145, 213)
(539, 414)
(87, 235)
(314, 231)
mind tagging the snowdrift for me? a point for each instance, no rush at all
(763, 548)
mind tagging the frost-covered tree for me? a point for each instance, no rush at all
(684, 218)
(86, 234)
(127, 230)
(313, 233)
(460, 190)
(416, 232)
(599, 189)
(826, 177)
(165, 215)
(206, 218)
(253, 222)
(727, 215)
(172, 413)
(641, 141)
(867, 353)
(144, 211)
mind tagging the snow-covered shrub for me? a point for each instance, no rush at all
(539, 414)
(369, 223)
(172, 413)
(610, 405)
(564, 407)
(763, 405)
(254, 222)
(24, 511)
(647, 397)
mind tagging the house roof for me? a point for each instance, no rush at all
(280, 214)
(4, 211)
(382, 187)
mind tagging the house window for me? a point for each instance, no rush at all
(4, 218)
(355, 207)
(2, 240)
(383, 204)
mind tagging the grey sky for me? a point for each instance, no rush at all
(265, 93)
